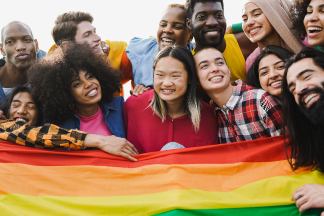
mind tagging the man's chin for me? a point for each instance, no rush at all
(315, 113)
(213, 43)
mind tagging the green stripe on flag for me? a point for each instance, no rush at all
(286, 210)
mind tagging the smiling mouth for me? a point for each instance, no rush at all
(253, 31)
(167, 41)
(21, 119)
(216, 78)
(312, 30)
(309, 98)
(212, 32)
(276, 84)
(168, 91)
(92, 92)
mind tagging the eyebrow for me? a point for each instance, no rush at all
(299, 75)
(216, 59)
(273, 64)
(251, 12)
(171, 72)
(90, 31)
(20, 102)
(174, 22)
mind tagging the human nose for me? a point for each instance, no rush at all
(273, 74)
(250, 21)
(20, 46)
(167, 81)
(87, 84)
(300, 87)
(211, 21)
(22, 110)
(312, 17)
(96, 37)
(167, 29)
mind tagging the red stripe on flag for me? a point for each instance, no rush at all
(260, 150)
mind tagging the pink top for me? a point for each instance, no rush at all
(94, 124)
(148, 133)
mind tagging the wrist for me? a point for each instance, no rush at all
(92, 140)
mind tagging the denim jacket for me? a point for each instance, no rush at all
(112, 112)
(2, 94)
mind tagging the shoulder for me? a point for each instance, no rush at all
(140, 101)
(265, 99)
(115, 103)
(141, 41)
(247, 47)
(205, 107)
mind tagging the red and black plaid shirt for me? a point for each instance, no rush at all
(250, 113)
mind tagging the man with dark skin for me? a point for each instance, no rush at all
(20, 50)
(207, 21)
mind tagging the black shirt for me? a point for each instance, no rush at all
(2, 63)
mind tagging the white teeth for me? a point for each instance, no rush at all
(212, 32)
(310, 97)
(92, 92)
(216, 78)
(166, 90)
(276, 83)
(167, 40)
(255, 30)
(314, 29)
(21, 119)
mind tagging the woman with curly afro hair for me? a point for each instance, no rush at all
(308, 20)
(75, 87)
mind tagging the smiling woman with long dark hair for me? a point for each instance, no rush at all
(172, 111)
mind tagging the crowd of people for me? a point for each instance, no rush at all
(261, 78)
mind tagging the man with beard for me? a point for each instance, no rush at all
(303, 108)
(207, 21)
(20, 49)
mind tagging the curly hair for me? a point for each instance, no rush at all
(190, 4)
(51, 79)
(297, 15)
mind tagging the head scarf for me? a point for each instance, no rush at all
(277, 12)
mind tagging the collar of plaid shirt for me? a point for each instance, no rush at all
(237, 94)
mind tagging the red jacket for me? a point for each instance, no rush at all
(148, 133)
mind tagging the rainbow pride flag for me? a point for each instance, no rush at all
(247, 178)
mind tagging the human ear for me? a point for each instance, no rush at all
(36, 43)
(2, 51)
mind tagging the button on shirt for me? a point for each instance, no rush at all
(250, 113)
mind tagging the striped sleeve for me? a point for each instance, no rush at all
(48, 136)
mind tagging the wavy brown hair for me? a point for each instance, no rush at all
(51, 79)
